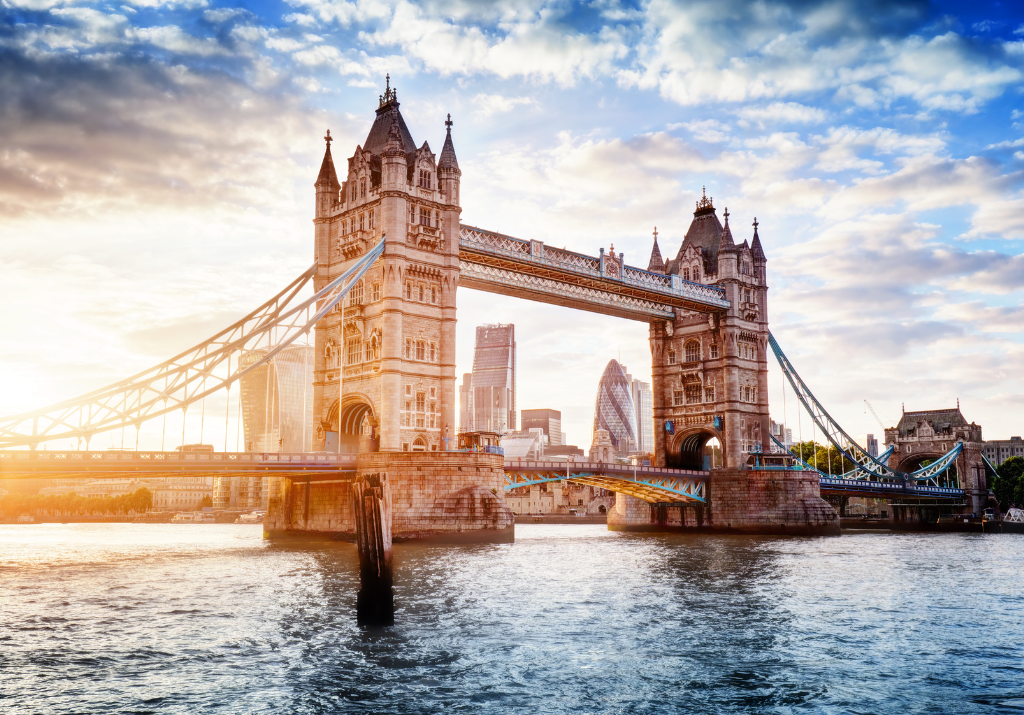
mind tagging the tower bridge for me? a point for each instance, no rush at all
(390, 252)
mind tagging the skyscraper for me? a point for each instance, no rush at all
(643, 404)
(494, 378)
(277, 416)
(550, 421)
(466, 403)
(613, 410)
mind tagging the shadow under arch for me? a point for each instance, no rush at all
(698, 449)
(355, 410)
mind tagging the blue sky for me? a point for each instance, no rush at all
(156, 171)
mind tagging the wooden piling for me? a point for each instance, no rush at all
(375, 602)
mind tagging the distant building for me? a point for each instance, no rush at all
(548, 421)
(494, 379)
(182, 493)
(643, 407)
(277, 416)
(872, 445)
(613, 410)
(999, 450)
(528, 444)
(782, 433)
(564, 451)
(466, 403)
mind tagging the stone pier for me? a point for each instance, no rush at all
(452, 497)
(747, 501)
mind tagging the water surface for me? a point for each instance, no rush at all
(126, 618)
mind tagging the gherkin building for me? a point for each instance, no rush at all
(614, 408)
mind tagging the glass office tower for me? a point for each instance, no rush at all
(614, 410)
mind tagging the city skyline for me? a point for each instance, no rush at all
(889, 198)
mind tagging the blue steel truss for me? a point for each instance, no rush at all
(872, 467)
(186, 378)
(651, 484)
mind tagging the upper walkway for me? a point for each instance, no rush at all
(497, 263)
(651, 484)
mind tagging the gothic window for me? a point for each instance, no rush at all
(709, 394)
(692, 351)
(433, 408)
(437, 220)
(408, 391)
(412, 213)
(714, 351)
(686, 274)
(433, 391)
(362, 188)
(375, 348)
(356, 296)
(696, 274)
(408, 291)
(368, 352)
(693, 394)
(424, 216)
(671, 357)
(433, 352)
(354, 346)
(677, 397)
(420, 287)
(420, 350)
(331, 353)
(362, 220)
(376, 292)
(372, 213)
(421, 400)
(433, 295)
(352, 190)
(408, 350)
(431, 421)
(746, 393)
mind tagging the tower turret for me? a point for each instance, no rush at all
(657, 263)
(448, 171)
(327, 184)
(394, 160)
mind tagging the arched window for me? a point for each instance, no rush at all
(421, 350)
(433, 352)
(355, 351)
(419, 445)
(408, 349)
(372, 213)
(408, 291)
(362, 188)
(412, 213)
(352, 190)
(433, 295)
(714, 351)
(686, 274)
(437, 219)
(356, 295)
(671, 357)
(362, 219)
(420, 289)
(376, 292)
(696, 274)
(692, 351)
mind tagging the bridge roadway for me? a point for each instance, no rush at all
(651, 484)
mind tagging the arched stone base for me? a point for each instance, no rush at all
(436, 496)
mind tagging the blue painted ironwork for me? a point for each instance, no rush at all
(651, 484)
(862, 460)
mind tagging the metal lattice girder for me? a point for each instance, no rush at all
(497, 263)
(854, 473)
(652, 485)
(192, 375)
(844, 443)
(860, 487)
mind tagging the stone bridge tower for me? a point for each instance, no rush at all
(710, 370)
(390, 351)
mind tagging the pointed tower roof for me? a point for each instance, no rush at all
(388, 114)
(755, 245)
(328, 176)
(705, 231)
(727, 243)
(448, 160)
(656, 264)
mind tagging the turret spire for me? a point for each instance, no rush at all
(756, 252)
(447, 160)
(657, 263)
(328, 177)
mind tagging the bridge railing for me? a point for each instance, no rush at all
(893, 487)
(606, 467)
(535, 252)
(157, 458)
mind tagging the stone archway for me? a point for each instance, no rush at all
(695, 449)
(356, 426)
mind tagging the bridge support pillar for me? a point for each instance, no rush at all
(738, 501)
(436, 496)
(375, 602)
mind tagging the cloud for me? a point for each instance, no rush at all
(490, 104)
(707, 130)
(783, 113)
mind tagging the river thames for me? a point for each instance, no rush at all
(122, 618)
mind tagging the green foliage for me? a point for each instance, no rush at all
(139, 501)
(829, 459)
(207, 500)
(1009, 483)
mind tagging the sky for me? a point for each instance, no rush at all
(157, 162)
